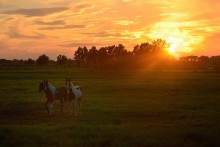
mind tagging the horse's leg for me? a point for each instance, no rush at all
(68, 104)
(64, 106)
(78, 107)
(70, 107)
(75, 106)
(79, 104)
(61, 104)
(51, 107)
(47, 102)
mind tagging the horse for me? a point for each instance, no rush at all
(74, 94)
(53, 94)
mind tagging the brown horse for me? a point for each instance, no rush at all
(53, 94)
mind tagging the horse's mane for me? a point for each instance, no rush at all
(71, 83)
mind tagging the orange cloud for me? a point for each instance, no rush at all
(36, 11)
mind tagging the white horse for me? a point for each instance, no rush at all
(74, 95)
(53, 94)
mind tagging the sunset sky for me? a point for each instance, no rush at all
(29, 28)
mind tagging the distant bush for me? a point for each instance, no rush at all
(62, 59)
(42, 60)
(29, 62)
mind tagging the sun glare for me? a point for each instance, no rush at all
(179, 41)
(173, 44)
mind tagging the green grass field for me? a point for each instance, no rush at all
(119, 108)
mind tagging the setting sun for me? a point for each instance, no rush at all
(173, 44)
(179, 41)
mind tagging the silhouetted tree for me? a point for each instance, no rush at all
(111, 53)
(42, 60)
(203, 59)
(192, 59)
(110, 50)
(62, 59)
(119, 51)
(143, 55)
(5, 62)
(81, 56)
(146, 49)
(102, 55)
(189, 59)
(18, 62)
(93, 56)
(215, 60)
(30, 62)
(158, 46)
(146, 53)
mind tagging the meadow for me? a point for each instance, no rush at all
(119, 108)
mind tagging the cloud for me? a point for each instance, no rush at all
(83, 6)
(209, 4)
(14, 33)
(57, 25)
(57, 2)
(104, 34)
(36, 11)
(125, 22)
(206, 15)
(63, 27)
(58, 22)
(3, 3)
(78, 44)
(127, 0)
(210, 45)
(3, 45)
(210, 40)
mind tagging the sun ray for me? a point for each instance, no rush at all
(179, 40)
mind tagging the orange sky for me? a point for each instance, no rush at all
(29, 28)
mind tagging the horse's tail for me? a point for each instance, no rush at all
(81, 90)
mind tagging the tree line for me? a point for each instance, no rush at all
(118, 56)
(42, 60)
(145, 55)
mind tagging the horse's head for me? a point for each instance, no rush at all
(43, 86)
(68, 85)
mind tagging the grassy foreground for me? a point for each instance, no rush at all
(119, 108)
